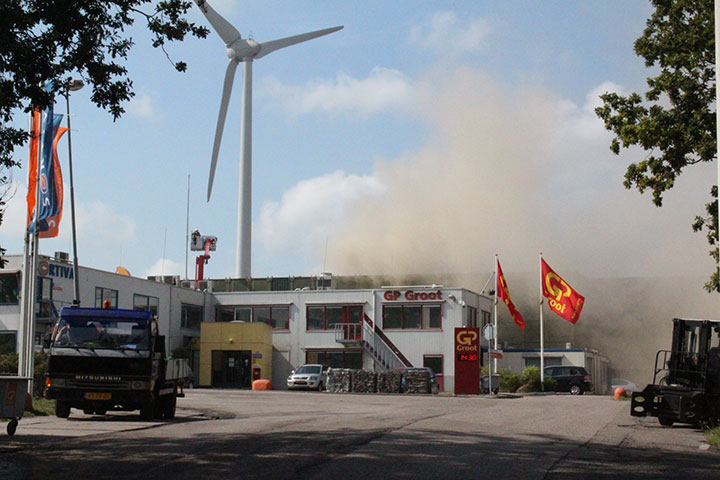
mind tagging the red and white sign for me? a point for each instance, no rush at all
(467, 360)
(412, 296)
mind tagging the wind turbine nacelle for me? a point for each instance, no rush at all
(243, 49)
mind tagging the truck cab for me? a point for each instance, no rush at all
(109, 359)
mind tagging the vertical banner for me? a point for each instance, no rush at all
(55, 193)
(467, 361)
(32, 164)
(50, 184)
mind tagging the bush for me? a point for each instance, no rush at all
(530, 377)
(509, 382)
(9, 366)
(550, 384)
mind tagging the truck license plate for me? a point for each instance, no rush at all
(97, 396)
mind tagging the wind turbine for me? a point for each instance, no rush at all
(239, 49)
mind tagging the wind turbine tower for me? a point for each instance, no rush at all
(243, 50)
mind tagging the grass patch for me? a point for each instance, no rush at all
(713, 436)
(41, 407)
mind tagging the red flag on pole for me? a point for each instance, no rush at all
(33, 164)
(562, 298)
(504, 295)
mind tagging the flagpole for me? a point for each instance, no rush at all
(542, 340)
(25, 274)
(495, 345)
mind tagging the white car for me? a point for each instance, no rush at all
(308, 377)
(629, 386)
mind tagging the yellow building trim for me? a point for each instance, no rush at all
(235, 336)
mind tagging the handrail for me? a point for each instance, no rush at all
(387, 352)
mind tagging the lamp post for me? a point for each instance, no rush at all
(73, 85)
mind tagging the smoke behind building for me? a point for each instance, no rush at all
(518, 171)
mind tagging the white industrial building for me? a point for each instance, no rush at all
(311, 320)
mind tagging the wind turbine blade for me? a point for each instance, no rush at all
(227, 90)
(272, 45)
(223, 28)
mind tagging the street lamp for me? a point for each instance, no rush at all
(73, 85)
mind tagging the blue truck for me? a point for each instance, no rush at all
(103, 359)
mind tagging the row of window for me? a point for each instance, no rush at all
(190, 315)
(325, 317)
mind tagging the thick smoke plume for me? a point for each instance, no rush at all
(518, 171)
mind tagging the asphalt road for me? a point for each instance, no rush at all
(270, 435)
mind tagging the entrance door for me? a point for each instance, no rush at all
(353, 316)
(231, 368)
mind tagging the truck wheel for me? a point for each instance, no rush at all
(666, 421)
(169, 404)
(62, 409)
(12, 426)
(147, 411)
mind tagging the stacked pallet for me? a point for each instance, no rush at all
(389, 382)
(364, 381)
(339, 380)
(417, 381)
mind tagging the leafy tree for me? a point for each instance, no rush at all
(43, 40)
(675, 121)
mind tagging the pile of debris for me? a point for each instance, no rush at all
(389, 381)
(364, 381)
(339, 380)
(417, 381)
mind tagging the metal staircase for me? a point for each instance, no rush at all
(373, 340)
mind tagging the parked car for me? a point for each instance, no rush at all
(308, 377)
(434, 387)
(629, 386)
(570, 378)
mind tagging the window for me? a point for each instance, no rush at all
(191, 316)
(144, 302)
(9, 288)
(535, 361)
(8, 341)
(412, 316)
(44, 297)
(276, 317)
(485, 318)
(325, 317)
(434, 362)
(471, 317)
(105, 294)
(335, 358)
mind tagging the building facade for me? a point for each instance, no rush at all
(309, 320)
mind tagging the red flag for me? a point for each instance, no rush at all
(53, 222)
(562, 298)
(33, 164)
(504, 295)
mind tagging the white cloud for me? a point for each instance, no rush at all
(141, 106)
(446, 33)
(383, 89)
(164, 266)
(312, 210)
(97, 222)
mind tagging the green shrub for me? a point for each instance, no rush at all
(509, 382)
(530, 377)
(550, 384)
(9, 366)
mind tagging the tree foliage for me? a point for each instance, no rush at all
(674, 121)
(42, 40)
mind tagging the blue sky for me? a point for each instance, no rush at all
(424, 136)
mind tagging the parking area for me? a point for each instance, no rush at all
(280, 434)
